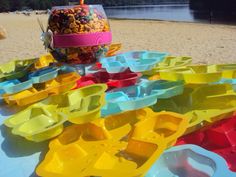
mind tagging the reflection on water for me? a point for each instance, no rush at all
(175, 12)
(162, 12)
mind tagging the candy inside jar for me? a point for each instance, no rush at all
(80, 34)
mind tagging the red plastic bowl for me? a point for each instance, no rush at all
(117, 80)
(219, 138)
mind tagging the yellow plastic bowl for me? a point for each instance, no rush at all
(62, 83)
(37, 123)
(126, 144)
(196, 74)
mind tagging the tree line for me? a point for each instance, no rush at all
(13, 5)
(211, 5)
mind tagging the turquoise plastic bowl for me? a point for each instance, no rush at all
(44, 74)
(141, 65)
(8, 83)
(115, 67)
(140, 96)
(17, 86)
(189, 160)
(136, 61)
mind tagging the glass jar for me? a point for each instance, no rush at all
(81, 34)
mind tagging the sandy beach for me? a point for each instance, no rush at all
(206, 43)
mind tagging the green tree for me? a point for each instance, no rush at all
(4, 5)
(33, 4)
(16, 4)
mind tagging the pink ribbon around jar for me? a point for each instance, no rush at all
(81, 40)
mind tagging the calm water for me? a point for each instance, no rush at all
(173, 12)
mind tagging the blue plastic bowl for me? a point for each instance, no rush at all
(136, 61)
(189, 161)
(140, 96)
(44, 75)
(17, 86)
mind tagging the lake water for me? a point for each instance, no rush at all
(172, 12)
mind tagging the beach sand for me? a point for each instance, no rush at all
(206, 43)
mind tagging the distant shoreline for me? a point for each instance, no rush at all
(113, 12)
(147, 5)
(170, 12)
(173, 21)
